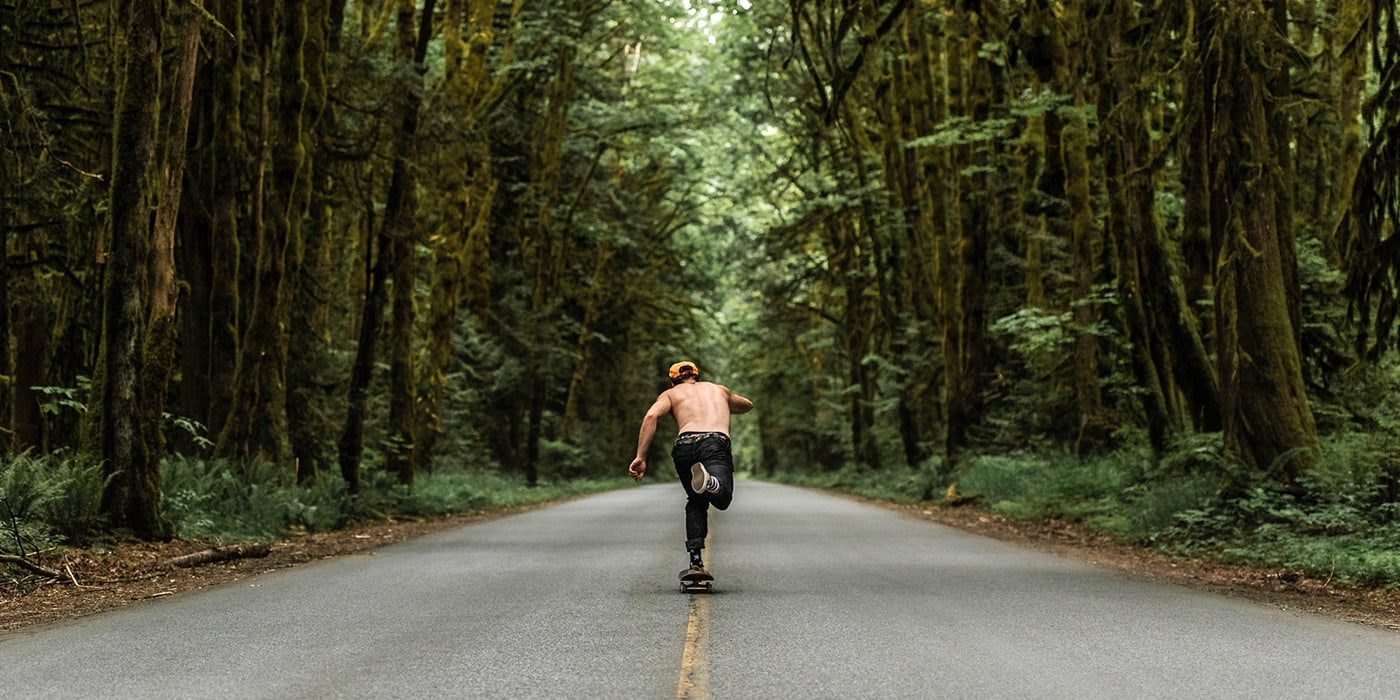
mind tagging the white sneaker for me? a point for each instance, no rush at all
(702, 481)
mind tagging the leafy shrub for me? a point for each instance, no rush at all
(1001, 481)
(76, 510)
(1024, 486)
(1158, 507)
(228, 501)
(1337, 522)
(27, 487)
(562, 460)
(1341, 521)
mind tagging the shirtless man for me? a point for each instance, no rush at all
(702, 454)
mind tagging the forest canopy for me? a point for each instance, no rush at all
(397, 237)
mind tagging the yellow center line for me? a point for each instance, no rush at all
(695, 663)
(695, 658)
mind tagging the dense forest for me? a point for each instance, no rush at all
(353, 239)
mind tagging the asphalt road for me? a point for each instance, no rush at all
(817, 597)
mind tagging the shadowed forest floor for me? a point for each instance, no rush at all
(121, 574)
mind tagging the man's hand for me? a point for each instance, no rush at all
(638, 468)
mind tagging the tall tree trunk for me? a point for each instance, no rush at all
(926, 229)
(395, 269)
(1133, 222)
(1074, 148)
(1366, 236)
(351, 444)
(256, 427)
(308, 334)
(163, 331)
(32, 339)
(977, 83)
(1278, 90)
(402, 220)
(123, 422)
(1168, 354)
(1268, 423)
(547, 255)
(462, 253)
(210, 248)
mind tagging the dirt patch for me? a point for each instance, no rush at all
(117, 574)
(122, 573)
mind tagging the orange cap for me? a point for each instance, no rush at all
(683, 369)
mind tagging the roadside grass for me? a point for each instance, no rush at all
(1341, 522)
(894, 486)
(50, 500)
(213, 500)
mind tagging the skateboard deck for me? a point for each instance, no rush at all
(698, 582)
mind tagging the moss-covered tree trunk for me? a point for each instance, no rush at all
(136, 347)
(548, 249)
(308, 341)
(974, 89)
(403, 235)
(209, 247)
(942, 192)
(1268, 423)
(1074, 149)
(1367, 235)
(461, 253)
(256, 427)
(1329, 140)
(1133, 223)
(162, 332)
(1168, 354)
(906, 116)
(865, 291)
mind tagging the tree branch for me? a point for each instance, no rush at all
(30, 566)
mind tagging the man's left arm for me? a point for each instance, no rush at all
(737, 403)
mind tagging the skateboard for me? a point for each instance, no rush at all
(698, 582)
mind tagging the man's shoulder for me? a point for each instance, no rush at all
(697, 387)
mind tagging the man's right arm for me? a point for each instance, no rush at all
(638, 467)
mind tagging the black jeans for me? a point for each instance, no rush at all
(711, 450)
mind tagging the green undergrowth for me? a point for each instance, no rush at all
(219, 501)
(1340, 522)
(45, 501)
(894, 486)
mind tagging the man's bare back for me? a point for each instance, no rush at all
(702, 407)
(698, 407)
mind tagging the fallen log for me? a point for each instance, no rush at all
(30, 566)
(252, 550)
